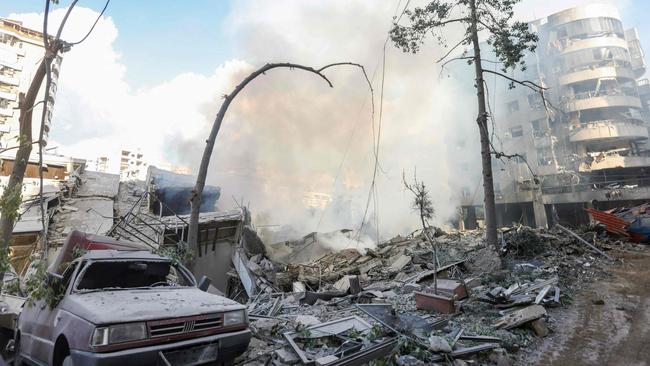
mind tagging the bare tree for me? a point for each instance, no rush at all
(424, 206)
(510, 41)
(197, 192)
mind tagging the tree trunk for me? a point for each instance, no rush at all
(23, 152)
(481, 120)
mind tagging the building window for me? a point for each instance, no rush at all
(544, 157)
(513, 106)
(516, 131)
(537, 124)
(535, 101)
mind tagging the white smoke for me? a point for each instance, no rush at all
(289, 144)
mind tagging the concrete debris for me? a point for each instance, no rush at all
(520, 317)
(539, 327)
(439, 344)
(408, 360)
(487, 301)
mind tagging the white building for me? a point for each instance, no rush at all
(21, 50)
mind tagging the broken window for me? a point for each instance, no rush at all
(537, 124)
(513, 106)
(544, 156)
(131, 274)
(535, 101)
(516, 131)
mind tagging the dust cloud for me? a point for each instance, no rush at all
(301, 153)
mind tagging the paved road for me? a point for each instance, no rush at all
(616, 332)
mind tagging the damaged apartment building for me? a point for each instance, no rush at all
(21, 50)
(584, 143)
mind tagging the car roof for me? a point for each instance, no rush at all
(108, 254)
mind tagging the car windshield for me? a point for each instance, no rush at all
(118, 275)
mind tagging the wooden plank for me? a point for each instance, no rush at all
(521, 317)
(542, 294)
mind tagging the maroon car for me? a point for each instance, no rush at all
(131, 308)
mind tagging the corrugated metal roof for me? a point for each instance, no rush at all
(613, 223)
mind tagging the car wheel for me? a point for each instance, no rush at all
(67, 361)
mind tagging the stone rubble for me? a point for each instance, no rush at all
(505, 310)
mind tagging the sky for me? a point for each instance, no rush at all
(152, 74)
(205, 23)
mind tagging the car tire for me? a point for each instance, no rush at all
(67, 361)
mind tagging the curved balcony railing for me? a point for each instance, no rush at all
(619, 97)
(609, 129)
(597, 72)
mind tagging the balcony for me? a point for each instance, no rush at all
(609, 130)
(10, 80)
(602, 99)
(9, 96)
(10, 64)
(583, 12)
(596, 73)
(616, 161)
(597, 42)
(15, 50)
(6, 112)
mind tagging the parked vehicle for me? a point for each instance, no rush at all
(130, 308)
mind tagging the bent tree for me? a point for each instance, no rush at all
(510, 40)
(197, 192)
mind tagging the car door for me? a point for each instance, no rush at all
(45, 319)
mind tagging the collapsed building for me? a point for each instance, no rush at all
(584, 141)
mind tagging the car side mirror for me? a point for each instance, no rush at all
(204, 284)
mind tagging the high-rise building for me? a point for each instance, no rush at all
(585, 141)
(21, 51)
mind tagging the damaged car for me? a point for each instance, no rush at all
(130, 308)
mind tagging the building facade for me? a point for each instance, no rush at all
(21, 51)
(132, 165)
(584, 141)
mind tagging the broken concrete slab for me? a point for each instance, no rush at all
(542, 294)
(348, 283)
(299, 287)
(286, 357)
(399, 263)
(366, 267)
(521, 317)
(439, 344)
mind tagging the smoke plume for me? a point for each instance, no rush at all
(301, 153)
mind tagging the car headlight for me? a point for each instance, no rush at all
(234, 318)
(119, 333)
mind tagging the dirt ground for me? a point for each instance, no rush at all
(607, 324)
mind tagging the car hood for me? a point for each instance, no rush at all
(107, 307)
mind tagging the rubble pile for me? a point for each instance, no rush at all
(350, 307)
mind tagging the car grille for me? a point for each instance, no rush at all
(169, 327)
